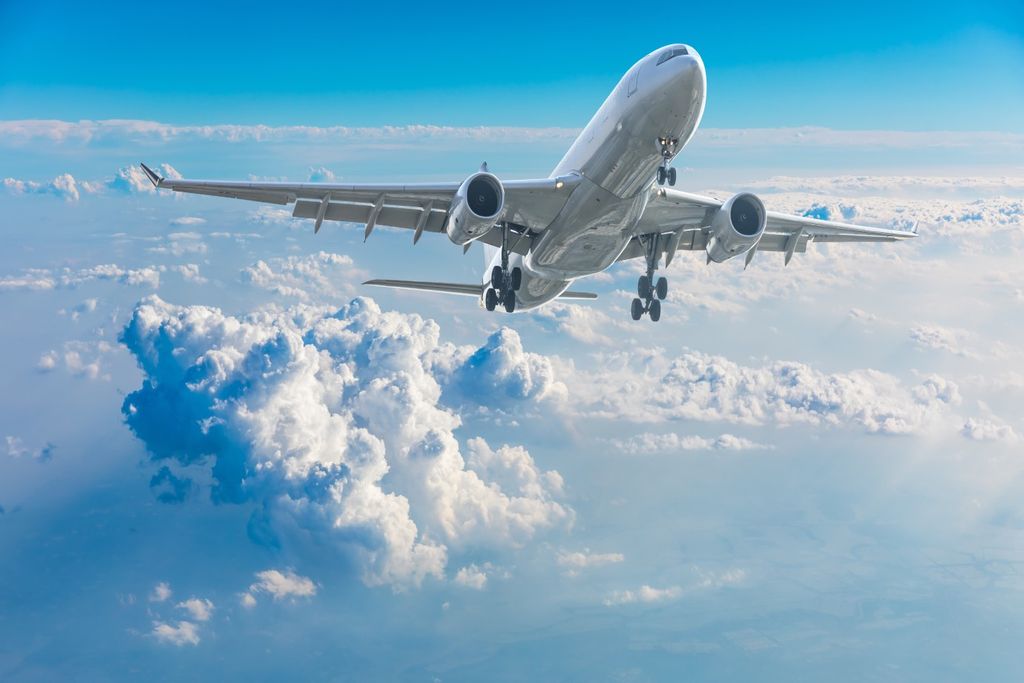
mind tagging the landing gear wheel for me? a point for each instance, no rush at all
(643, 287)
(510, 302)
(497, 277)
(661, 289)
(671, 176)
(661, 175)
(490, 300)
(517, 279)
(654, 310)
(637, 309)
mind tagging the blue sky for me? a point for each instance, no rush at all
(221, 455)
(907, 65)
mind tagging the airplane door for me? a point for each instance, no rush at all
(633, 80)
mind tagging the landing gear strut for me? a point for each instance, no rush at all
(505, 282)
(668, 148)
(650, 292)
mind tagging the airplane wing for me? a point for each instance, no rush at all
(688, 217)
(530, 204)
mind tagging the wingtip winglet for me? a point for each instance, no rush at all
(151, 174)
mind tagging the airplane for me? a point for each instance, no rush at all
(611, 198)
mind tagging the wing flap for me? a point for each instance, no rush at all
(390, 215)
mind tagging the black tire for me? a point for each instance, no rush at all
(672, 176)
(636, 311)
(510, 302)
(661, 289)
(490, 300)
(643, 287)
(655, 311)
(661, 175)
(517, 279)
(497, 277)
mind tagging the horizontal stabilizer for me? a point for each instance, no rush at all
(454, 288)
(446, 287)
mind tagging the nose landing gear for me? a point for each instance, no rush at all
(650, 292)
(668, 148)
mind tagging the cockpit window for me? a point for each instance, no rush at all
(669, 54)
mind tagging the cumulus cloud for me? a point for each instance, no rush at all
(161, 592)
(989, 430)
(578, 321)
(79, 358)
(941, 338)
(472, 576)
(190, 273)
(664, 443)
(279, 586)
(699, 386)
(306, 411)
(501, 372)
(575, 562)
(64, 186)
(183, 633)
(199, 609)
(302, 277)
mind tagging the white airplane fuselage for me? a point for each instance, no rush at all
(616, 156)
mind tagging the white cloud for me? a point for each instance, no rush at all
(84, 132)
(579, 321)
(199, 609)
(16, 449)
(664, 443)
(318, 275)
(704, 580)
(48, 361)
(699, 386)
(247, 600)
(189, 272)
(41, 279)
(161, 592)
(471, 576)
(321, 175)
(315, 408)
(941, 338)
(279, 585)
(188, 220)
(644, 593)
(184, 633)
(64, 186)
(576, 561)
(989, 430)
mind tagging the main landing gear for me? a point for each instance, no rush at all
(651, 292)
(505, 281)
(668, 148)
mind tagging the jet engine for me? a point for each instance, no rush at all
(736, 227)
(476, 207)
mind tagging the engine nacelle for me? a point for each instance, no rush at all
(736, 227)
(476, 207)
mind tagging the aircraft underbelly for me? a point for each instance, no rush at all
(590, 233)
